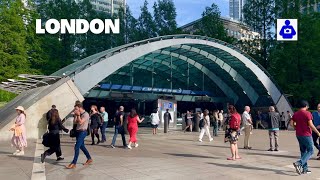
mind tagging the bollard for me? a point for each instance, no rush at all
(165, 125)
(196, 125)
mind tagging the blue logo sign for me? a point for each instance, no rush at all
(287, 29)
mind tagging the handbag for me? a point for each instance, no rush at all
(45, 139)
(201, 123)
(73, 133)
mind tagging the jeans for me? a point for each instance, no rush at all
(274, 133)
(316, 140)
(119, 129)
(306, 150)
(103, 130)
(206, 130)
(81, 135)
(215, 128)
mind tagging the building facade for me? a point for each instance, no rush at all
(235, 9)
(109, 6)
(234, 29)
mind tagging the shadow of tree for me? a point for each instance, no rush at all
(191, 155)
(255, 168)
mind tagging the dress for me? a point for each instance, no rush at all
(133, 128)
(95, 121)
(20, 140)
(189, 119)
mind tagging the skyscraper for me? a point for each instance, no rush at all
(108, 6)
(235, 9)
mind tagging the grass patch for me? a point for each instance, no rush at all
(2, 104)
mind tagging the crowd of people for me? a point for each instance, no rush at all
(306, 125)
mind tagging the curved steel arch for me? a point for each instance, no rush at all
(115, 58)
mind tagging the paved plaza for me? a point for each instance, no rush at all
(175, 155)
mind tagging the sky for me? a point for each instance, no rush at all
(187, 10)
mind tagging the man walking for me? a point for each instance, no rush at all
(220, 117)
(247, 122)
(273, 121)
(259, 120)
(289, 116)
(81, 120)
(105, 117)
(316, 122)
(119, 128)
(302, 122)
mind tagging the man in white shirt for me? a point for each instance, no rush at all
(247, 123)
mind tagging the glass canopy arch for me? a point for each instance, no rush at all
(184, 62)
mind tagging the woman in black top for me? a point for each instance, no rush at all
(54, 127)
(96, 121)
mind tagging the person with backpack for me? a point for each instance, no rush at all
(204, 125)
(232, 134)
(96, 121)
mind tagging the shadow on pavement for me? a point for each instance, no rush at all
(24, 158)
(239, 166)
(274, 155)
(4, 152)
(190, 155)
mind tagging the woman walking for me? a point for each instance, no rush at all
(155, 120)
(205, 128)
(133, 120)
(189, 121)
(19, 138)
(54, 126)
(232, 133)
(96, 121)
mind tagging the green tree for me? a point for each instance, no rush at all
(260, 16)
(13, 45)
(211, 25)
(295, 65)
(165, 17)
(147, 27)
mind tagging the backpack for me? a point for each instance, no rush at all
(235, 124)
(201, 123)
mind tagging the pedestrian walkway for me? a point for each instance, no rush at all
(175, 155)
(16, 167)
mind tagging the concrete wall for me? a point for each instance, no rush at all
(63, 94)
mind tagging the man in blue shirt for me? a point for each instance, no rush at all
(105, 117)
(316, 122)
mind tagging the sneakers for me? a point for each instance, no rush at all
(16, 152)
(129, 147)
(306, 172)
(200, 140)
(136, 145)
(211, 139)
(21, 153)
(112, 146)
(276, 149)
(270, 149)
(298, 167)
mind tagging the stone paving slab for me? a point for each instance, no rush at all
(175, 156)
(16, 167)
(179, 155)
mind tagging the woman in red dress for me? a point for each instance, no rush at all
(233, 132)
(133, 120)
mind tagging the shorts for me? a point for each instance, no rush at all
(154, 126)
